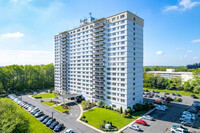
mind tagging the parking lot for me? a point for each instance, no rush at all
(69, 120)
(165, 119)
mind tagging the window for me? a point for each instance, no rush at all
(122, 16)
(113, 19)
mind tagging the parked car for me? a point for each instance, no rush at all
(179, 128)
(46, 120)
(160, 108)
(135, 127)
(55, 123)
(69, 131)
(34, 112)
(173, 94)
(38, 114)
(58, 127)
(187, 123)
(158, 101)
(148, 117)
(157, 95)
(194, 96)
(157, 91)
(50, 121)
(43, 117)
(141, 122)
(178, 95)
(185, 119)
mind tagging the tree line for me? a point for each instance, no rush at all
(163, 68)
(20, 79)
(156, 81)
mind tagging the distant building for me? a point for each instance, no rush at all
(170, 73)
(193, 66)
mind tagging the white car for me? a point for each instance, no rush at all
(135, 127)
(69, 131)
(189, 116)
(148, 117)
(178, 129)
(160, 108)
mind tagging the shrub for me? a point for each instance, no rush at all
(106, 106)
(138, 107)
(103, 106)
(99, 103)
(121, 110)
(129, 110)
(177, 100)
(126, 116)
(125, 112)
(109, 107)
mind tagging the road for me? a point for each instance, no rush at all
(69, 120)
(165, 119)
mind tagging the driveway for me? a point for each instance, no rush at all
(69, 120)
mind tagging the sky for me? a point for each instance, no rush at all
(27, 28)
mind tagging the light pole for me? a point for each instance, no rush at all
(52, 114)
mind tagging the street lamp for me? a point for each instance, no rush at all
(52, 114)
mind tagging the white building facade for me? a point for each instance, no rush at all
(170, 73)
(102, 60)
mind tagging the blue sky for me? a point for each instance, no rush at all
(27, 27)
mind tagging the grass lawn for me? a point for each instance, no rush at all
(48, 103)
(35, 125)
(96, 116)
(46, 95)
(60, 109)
(184, 93)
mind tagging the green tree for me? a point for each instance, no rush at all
(121, 110)
(99, 103)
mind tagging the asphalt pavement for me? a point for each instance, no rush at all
(69, 120)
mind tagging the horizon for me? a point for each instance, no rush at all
(29, 26)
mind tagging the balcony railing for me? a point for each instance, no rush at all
(98, 57)
(63, 36)
(98, 39)
(100, 80)
(98, 43)
(98, 62)
(98, 47)
(98, 30)
(98, 75)
(98, 66)
(98, 25)
(98, 52)
(98, 34)
(63, 43)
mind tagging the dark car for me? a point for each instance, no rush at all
(179, 95)
(43, 117)
(187, 123)
(50, 121)
(194, 96)
(157, 91)
(55, 123)
(173, 94)
(46, 120)
(58, 127)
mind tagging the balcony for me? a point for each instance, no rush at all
(98, 57)
(98, 25)
(100, 98)
(97, 75)
(98, 71)
(98, 52)
(98, 39)
(63, 39)
(98, 34)
(63, 36)
(100, 80)
(63, 49)
(98, 30)
(98, 43)
(98, 62)
(63, 43)
(98, 66)
(98, 48)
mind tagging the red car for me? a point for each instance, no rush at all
(141, 122)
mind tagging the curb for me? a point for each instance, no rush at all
(122, 129)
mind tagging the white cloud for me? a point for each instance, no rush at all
(189, 51)
(182, 5)
(23, 57)
(159, 52)
(196, 41)
(14, 35)
(196, 58)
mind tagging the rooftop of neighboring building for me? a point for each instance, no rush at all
(168, 71)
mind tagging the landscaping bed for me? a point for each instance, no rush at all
(46, 95)
(48, 103)
(62, 108)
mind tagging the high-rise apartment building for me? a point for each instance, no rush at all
(102, 60)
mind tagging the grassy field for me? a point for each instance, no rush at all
(46, 95)
(184, 93)
(48, 103)
(96, 116)
(60, 109)
(35, 125)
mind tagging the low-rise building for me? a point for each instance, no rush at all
(171, 73)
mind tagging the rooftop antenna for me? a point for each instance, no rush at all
(90, 14)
